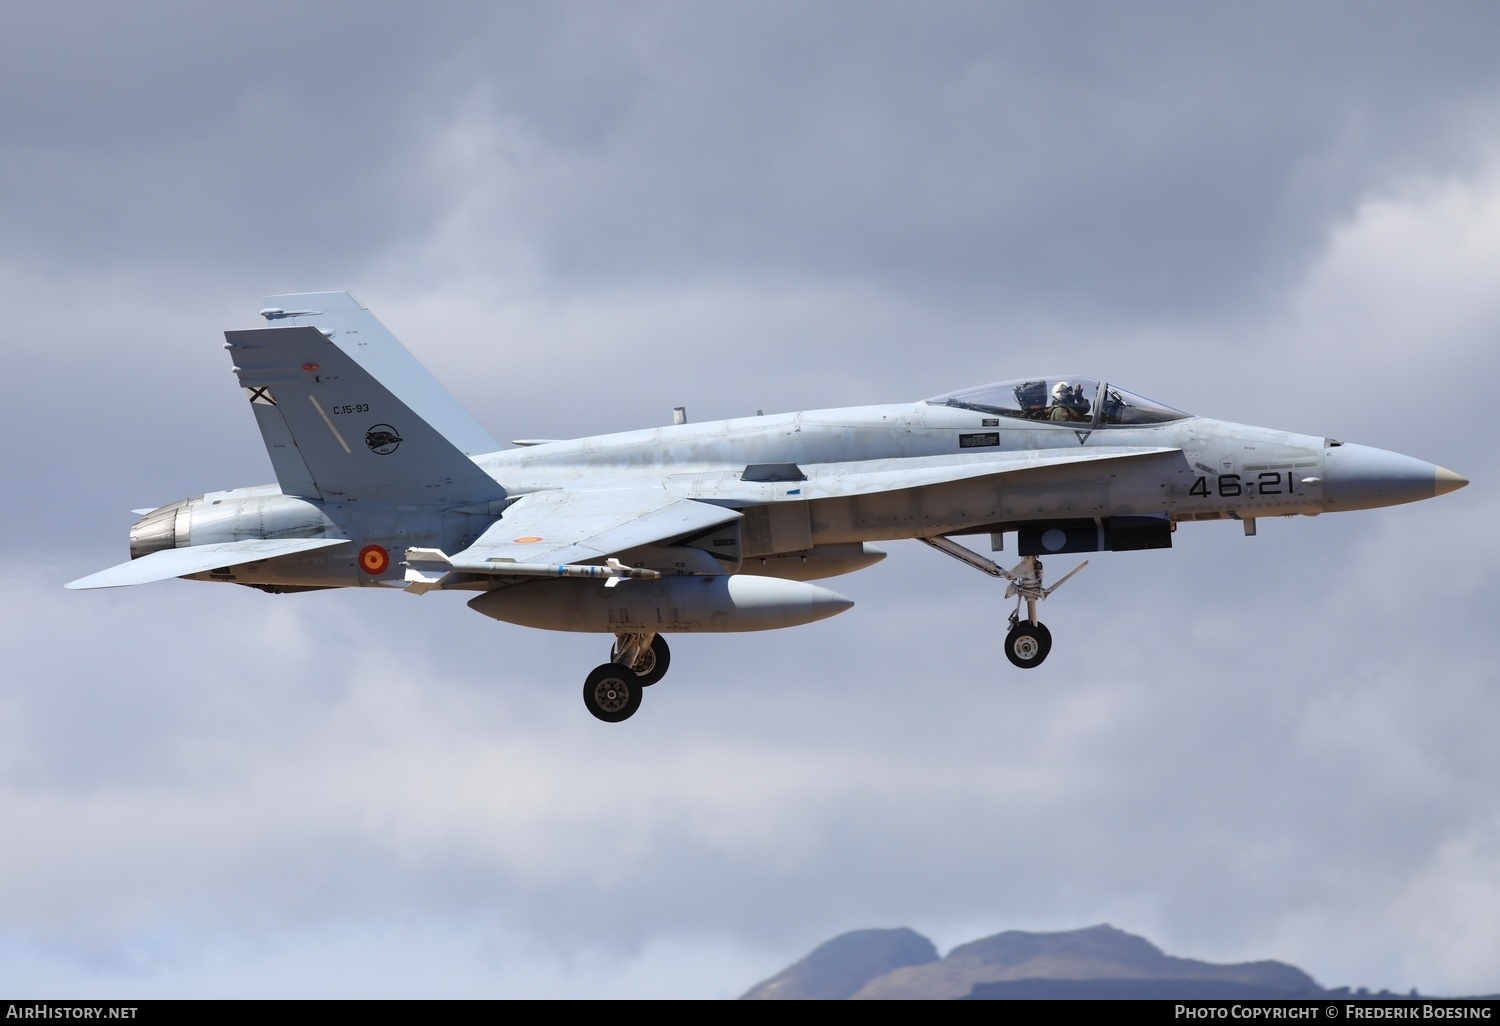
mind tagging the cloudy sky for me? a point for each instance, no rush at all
(581, 215)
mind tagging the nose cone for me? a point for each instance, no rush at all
(1448, 481)
(1359, 477)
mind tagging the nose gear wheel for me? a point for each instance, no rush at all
(1027, 644)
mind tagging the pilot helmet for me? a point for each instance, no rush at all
(1062, 390)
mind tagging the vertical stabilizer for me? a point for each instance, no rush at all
(371, 345)
(336, 431)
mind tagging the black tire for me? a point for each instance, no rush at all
(612, 693)
(1027, 645)
(652, 666)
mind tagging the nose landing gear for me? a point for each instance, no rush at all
(1029, 641)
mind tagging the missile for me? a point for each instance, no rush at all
(428, 568)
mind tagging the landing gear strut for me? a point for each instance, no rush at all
(646, 654)
(1029, 640)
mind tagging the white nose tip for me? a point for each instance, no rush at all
(1448, 481)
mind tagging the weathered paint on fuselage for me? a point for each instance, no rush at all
(1210, 469)
(1232, 463)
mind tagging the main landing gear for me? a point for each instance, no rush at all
(613, 691)
(1028, 641)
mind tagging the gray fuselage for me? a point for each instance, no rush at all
(824, 482)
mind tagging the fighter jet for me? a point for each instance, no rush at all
(384, 480)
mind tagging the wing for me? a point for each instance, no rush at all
(572, 527)
(566, 527)
(195, 559)
(792, 483)
(876, 476)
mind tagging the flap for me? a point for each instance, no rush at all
(573, 527)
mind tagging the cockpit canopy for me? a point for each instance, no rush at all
(1063, 400)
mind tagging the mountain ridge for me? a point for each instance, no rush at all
(900, 964)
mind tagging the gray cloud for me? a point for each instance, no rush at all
(1107, 157)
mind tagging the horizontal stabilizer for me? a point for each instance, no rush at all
(196, 559)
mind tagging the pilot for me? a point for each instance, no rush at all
(1067, 404)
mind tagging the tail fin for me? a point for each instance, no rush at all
(347, 413)
(370, 344)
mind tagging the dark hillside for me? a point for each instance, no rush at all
(840, 967)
